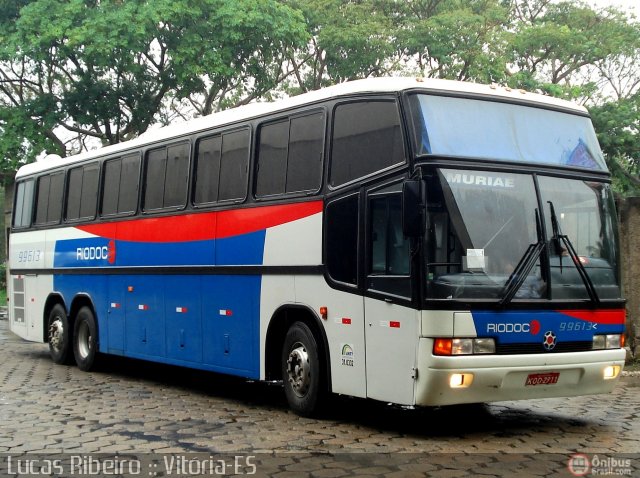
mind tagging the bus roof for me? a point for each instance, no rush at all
(371, 85)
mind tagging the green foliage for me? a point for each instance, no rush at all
(618, 127)
(449, 39)
(106, 67)
(73, 71)
(552, 48)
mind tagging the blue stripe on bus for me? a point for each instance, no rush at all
(529, 326)
(245, 249)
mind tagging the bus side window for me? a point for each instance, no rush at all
(341, 240)
(234, 166)
(207, 170)
(49, 201)
(289, 156)
(24, 204)
(271, 174)
(389, 265)
(306, 145)
(82, 192)
(121, 178)
(366, 138)
(166, 177)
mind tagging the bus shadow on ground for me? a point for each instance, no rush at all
(506, 419)
(503, 419)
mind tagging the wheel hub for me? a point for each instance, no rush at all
(84, 340)
(299, 370)
(56, 333)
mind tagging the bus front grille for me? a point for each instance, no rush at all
(538, 348)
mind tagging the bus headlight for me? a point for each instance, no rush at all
(609, 341)
(464, 346)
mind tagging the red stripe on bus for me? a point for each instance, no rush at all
(200, 227)
(607, 316)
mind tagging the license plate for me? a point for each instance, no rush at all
(542, 378)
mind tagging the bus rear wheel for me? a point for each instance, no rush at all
(301, 370)
(85, 339)
(59, 335)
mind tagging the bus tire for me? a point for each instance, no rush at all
(301, 370)
(85, 339)
(59, 335)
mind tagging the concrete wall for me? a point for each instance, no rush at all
(629, 213)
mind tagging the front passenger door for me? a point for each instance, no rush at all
(392, 325)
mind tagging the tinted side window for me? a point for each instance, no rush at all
(23, 204)
(49, 205)
(74, 193)
(82, 192)
(44, 183)
(154, 179)
(389, 246)
(272, 159)
(342, 239)
(177, 176)
(207, 170)
(56, 193)
(390, 252)
(89, 200)
(129, 183)
(304, 166)
(289, 158)
(120, 190)
(111, 186)
(234, 165)
(366, 138)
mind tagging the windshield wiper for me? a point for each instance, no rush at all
(523, 269)
(557, 240)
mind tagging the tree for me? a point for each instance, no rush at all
(455, 39)
(618, 127)
(348, 40)
(552, 45)
(103, 69)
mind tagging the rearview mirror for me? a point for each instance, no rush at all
(412, 208)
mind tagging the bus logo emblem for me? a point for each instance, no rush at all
(550, 340)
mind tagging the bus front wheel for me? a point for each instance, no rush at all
(85, 339)
(301, 370)
(59, 335)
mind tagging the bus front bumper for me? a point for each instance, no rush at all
(490, 378)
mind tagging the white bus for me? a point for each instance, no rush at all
(420, 242)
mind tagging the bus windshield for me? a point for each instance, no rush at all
(482, 225)
(503, 132)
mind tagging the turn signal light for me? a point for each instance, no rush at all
(442, 346)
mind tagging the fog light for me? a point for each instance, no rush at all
(460, 380)
(611, 371)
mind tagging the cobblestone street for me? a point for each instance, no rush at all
(136, 407)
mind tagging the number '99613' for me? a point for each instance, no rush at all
(576, 326)
(33, 255)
